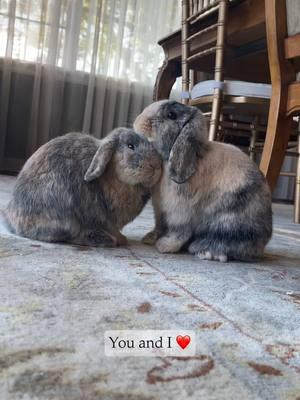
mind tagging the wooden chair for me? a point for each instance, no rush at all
(219, 94)
(255, 105)
(193, 10)
(284, 61)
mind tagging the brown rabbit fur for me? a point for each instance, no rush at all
(212, 199)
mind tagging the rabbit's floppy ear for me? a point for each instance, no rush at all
(101, 158)
(183, 158)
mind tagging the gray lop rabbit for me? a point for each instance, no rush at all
(82, 190)
(211, 198)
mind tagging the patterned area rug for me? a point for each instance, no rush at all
(58, 300)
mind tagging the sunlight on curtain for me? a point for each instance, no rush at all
(112, 37)
(85, 65)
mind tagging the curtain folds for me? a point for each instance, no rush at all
(75, 65)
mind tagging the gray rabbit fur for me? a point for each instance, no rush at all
(82, 190)
(211, 199)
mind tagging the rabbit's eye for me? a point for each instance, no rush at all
(172, 115)
(131, 146)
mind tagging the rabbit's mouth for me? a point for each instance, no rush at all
(154, 177)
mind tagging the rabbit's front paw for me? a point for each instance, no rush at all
(101, 238)
(207, 255)
(150, 238)
(168, 244)
(121, 239)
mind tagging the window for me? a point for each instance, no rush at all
(109, 37)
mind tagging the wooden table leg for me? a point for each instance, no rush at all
(277, 137)
(165, 79)
(282, 73)
(297, 189)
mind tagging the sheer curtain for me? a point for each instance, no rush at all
(84, 65)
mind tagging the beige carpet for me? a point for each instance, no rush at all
(57, 301)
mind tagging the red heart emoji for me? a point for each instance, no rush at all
(183, 341)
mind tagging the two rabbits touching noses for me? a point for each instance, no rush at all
(209, 198)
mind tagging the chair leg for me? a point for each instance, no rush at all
(219, 70)
(297, 186)
(253, 139)
(215, 115)
(277, 137)
(185, 51)
(252, 145)
(282, 73)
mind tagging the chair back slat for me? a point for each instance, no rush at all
(202, 53)
(203, 31)
(195, 13)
